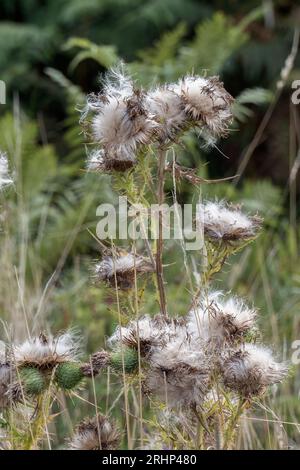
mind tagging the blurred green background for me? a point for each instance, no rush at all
(51, 54)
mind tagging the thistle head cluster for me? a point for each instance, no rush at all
(182, 358)
(126, 119)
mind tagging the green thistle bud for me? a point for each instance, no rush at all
(68, 375)
(33, 380)
(131, 360)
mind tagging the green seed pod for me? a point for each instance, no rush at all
(68, 375)
(131, 360)
(33, 380)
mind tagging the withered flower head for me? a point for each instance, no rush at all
(46, 351)
(206, 102)
(251, 369)
(121, 124)
(221, 320)
(147, 333)
(179, 372)
(167, 109)
(98, 433)
(119, 270)
(227, 224)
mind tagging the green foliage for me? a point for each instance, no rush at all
(104, 55)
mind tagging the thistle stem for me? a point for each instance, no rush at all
(159, 250)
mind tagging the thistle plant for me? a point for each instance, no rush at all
(207, 365)
(195, 372)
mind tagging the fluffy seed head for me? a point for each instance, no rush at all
(46, 352)
(207, 102)
(5, 178)
(120, 270)
(167, 109)
(121, 124)
(179, 372)
(221, 320)
(222, 223)
(97, 433)
(147, 333)
(251, 369)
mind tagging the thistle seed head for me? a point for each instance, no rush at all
(206, 102)
(227, 224)
(119, 271)
(45, 352)
(167, 110)
(251, 369)
(98, 361)
(221, 321)
(98, 433)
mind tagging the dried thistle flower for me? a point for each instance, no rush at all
(167, 110)
(147, 333)
(119, 269)
(251, 369)
(121, 124)
(45, 352)
(97, 433)
(206, 102)
(220, 320)
(98, 361)
(5, 178)
(227, 224)
(179, 372)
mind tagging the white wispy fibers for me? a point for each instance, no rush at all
(251, 369)
(148, 333)
(167, 109)
(120, 269)
(179, 373)
(5, 178)
(220, 319)
(225, 223)
(97, 433)
(47, 351)
(206, 102)
(121, 123)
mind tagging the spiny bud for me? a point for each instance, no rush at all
(128, 356)
(68, 375)
(33, 380)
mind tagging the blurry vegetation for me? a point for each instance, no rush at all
(51, 54)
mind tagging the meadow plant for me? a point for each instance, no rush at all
(196, 372)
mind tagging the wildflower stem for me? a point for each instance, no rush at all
(159, 251)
